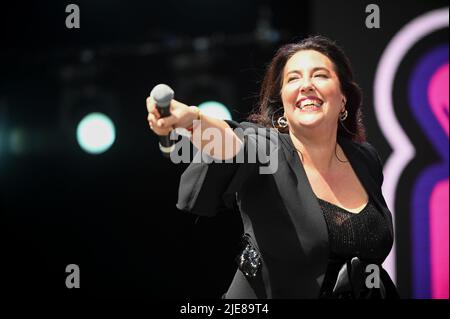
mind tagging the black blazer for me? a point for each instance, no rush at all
(279, 211)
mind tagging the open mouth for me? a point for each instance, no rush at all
(309, 104)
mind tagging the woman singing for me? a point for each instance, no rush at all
(318, 225)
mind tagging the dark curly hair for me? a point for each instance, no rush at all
(270, 98)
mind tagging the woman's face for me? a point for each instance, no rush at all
(311, 92)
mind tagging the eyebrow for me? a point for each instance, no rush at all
(319, 68)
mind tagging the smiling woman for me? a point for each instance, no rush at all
(322, 65)
(320, 101)
(314, 226)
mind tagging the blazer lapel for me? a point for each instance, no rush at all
(303, 208)
(360, 165)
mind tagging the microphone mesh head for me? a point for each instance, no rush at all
(162, 94)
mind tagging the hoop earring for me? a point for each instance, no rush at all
(343, 115)
(282, 122)
(342, 118)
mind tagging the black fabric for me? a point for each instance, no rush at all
(279, 210)
(364, 235)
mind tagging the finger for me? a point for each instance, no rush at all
(151, 118)
(166, 122)
(151, 106)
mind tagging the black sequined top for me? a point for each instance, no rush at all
(364, 235)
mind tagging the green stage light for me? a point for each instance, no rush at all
(215, 109)
(96, 133)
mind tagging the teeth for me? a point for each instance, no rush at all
(306, 103)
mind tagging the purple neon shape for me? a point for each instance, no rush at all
(431, 176)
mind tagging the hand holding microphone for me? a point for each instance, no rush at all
(166, 114)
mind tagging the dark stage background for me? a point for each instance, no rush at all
(114, 214)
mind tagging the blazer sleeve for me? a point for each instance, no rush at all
(207, 188)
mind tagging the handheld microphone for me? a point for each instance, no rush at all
(163, 95)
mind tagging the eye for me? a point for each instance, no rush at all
(321, 75)
(292, 78)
